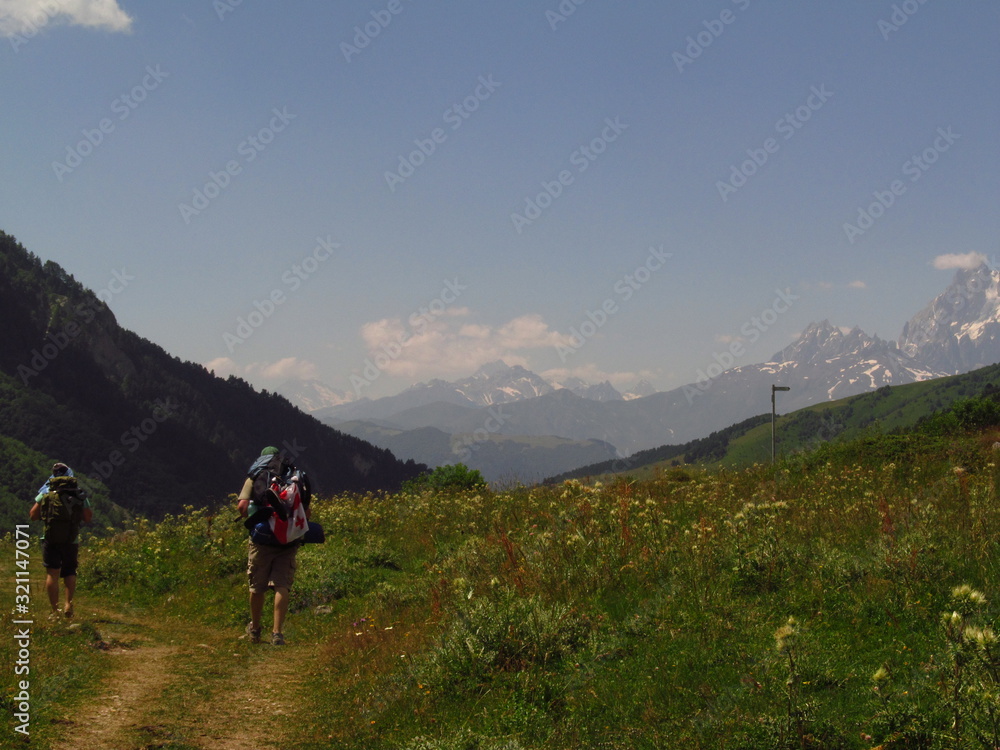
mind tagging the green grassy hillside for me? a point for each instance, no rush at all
(847, 597)
(886, 410)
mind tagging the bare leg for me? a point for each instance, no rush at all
(70, 583)
(52, 587)
(256, 608)
(280, 608)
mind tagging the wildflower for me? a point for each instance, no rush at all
(784, 637)
(954, 620)
(983, 636)
(969, 594)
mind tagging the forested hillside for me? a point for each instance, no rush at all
(158, 432)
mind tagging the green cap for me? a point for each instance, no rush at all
(269, 451)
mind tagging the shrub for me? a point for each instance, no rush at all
(448, 477)
(505, 633)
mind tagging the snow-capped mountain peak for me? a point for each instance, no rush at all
(960, 329)
(310, 395)
(499, 383)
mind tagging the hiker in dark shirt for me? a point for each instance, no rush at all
(60, 545)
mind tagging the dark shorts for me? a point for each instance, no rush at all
(60, 555)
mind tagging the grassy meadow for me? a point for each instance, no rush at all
(845, 598)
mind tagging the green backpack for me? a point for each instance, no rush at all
(62, 510)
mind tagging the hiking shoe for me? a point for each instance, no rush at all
(253, 634)
(277, 639)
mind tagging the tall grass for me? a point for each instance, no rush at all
(843, 599)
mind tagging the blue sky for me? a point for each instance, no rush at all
(377, 193)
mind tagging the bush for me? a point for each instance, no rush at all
(506, 632)
(448, 477)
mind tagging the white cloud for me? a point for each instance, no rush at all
(530, 332)
(828, 286)
(274, 372)
(591, 373)
(448, 346)
(223, 367)
(285, 369)
(966, 261)
(28, 17)
(726, 338)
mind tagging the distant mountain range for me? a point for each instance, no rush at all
(153, 433)
(441, 422)
(957, 332)
(493, 383)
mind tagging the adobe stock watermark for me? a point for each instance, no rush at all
(418, 323)
(123, 106)
(749, 332)
(828, 429)
(581, 158)
(702, 40)
(83, 313)
(786, 127)
(292, 450)
(901, 13)
(222, 7)
(454, 117)
(562, 12)
(292, 279)
(21, 702)
(915, 167)
(133, 438)
(366, 33)
(958, 298)
(464, 446)
(621, 462)
(249, 149)
(45, 12)
(624, 289)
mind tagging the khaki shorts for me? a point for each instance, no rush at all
(271, 567)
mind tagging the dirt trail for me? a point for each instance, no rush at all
(250, 706)
(182, 685)
(136, 682)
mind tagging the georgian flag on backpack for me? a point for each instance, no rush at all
(288, 522)
(280, 493)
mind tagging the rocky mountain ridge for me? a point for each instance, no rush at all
(958, 331)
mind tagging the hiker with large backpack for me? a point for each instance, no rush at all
(274, 502)
(62, 506)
